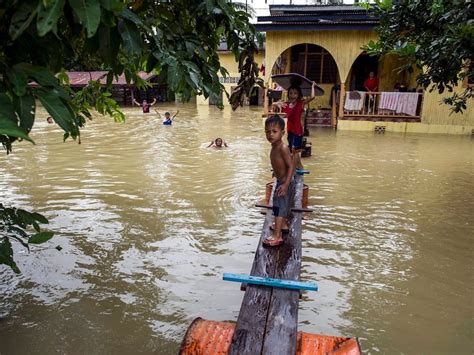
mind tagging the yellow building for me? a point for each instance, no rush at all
(229, 62)
(324, 44)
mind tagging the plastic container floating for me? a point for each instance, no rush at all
(207, 337)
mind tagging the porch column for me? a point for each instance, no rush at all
(341, 100)
(265, 102)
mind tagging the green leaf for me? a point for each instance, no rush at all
(40, 218)
(173, 79)
(40, 237)
(6, 255)
(43, 76)
(25, 216)
(10, 128)
(48, 15)
(88, 12)
(58, 109)
(19, 240)
(36, 226)
(6, 108)
(132, 43)
(17, 231)
(21, 19)
(109, 44)
(18, 79)
(25, 108)
(129, 15)
(112, 5)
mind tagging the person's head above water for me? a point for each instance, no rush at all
(218, 142)
(167, 115)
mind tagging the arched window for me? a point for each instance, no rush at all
(315, 63)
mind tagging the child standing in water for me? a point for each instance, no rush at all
(283, 169)
(145, 105)
(168, 120)
(293, 109)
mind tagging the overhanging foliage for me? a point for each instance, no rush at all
(435, 35)
(40, 39)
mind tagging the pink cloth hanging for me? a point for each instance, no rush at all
(407, 103)
(389, 101)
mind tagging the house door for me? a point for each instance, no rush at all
(361, 68)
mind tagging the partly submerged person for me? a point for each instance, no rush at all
(169, 117)
(218, 143)
(145, 105)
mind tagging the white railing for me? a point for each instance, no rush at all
(383, 104)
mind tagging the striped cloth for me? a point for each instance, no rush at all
(389, 101)
(407, 103)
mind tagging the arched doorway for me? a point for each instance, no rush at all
(317, 64)
(362, 66)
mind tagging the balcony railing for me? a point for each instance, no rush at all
(383, 105)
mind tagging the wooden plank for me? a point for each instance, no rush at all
(282, 321)
(271, 282)
(250, 329)
(267, 321)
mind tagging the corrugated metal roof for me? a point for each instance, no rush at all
(276, 9)
(311, 17)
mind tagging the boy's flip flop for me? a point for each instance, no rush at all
(283, 230)
(270, 242)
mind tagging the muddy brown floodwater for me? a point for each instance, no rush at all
(149, 219)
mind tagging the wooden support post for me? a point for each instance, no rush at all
(341, 100)
(265, 103)
(333, 109)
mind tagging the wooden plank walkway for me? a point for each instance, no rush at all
(268, 317)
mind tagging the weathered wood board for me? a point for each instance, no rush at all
(268, 317)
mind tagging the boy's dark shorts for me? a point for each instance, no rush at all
(282, 204)
(295, 141)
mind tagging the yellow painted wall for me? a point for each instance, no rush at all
(229, 62)
(405, 127)
(344, 46)
(436, 113)
(389, 74)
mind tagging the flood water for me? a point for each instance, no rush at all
(149, 219)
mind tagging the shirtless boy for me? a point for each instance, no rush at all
(284, 169)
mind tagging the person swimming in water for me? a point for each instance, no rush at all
(218, 143)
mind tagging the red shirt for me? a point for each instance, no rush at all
(293, 116)
(371, 83)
